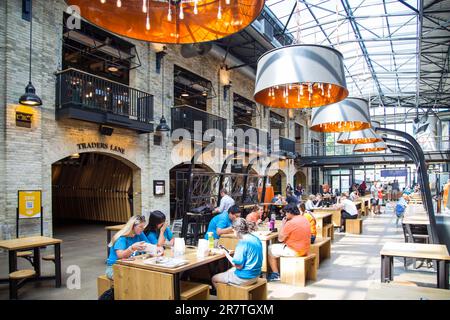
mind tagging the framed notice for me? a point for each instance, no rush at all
(30, 204)
(159, 187)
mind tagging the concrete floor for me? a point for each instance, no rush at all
(354, 265)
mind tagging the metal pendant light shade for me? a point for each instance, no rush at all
(163, 126)
(370, 147)
(30, 98)
(360, 136)
(300, 76)
(171, 21)
(352, 114)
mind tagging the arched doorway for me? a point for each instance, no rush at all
(278, 182)
(300, 178)
(94, 187)
(178, 185)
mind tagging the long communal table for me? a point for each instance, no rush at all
(135, 280)
(436, 252)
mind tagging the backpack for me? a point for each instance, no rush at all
(399, 210)
(107, 295)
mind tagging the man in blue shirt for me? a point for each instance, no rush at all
(221, 224)
(248, 257)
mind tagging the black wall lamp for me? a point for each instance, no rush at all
(30, 98)
(159, 57)
(106, 130)
(226, 90)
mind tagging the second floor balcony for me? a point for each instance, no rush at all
(83, 96)
(196, 121)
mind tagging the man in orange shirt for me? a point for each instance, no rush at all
(295, 235)
(446, 190)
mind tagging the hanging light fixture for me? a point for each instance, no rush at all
(171, 21)
(352, 114)
(370, 147)
(163, 126)
(360, 136)
(300, 76)
(30, 98)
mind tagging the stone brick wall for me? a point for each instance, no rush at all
(26, 155)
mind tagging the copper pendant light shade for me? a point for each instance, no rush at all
(370, 147)
(352, 114)
(360, 136)
(300, 76)
(171, 21)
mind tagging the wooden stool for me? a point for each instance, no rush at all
(296, 270)
(328, 231)
(104, 284)
(50, 257)
(322, 249)
(257, 291)
(27, 255)
(194, 291)
(353, 226)
(16, 280)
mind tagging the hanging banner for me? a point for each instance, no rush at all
(30, 204)
(394, 173)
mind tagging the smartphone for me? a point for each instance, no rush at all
(222, 247)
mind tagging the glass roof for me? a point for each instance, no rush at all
(384, 44)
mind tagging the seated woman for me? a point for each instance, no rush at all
(319, 201)
(126, 242)
(312, 221)
(255, 215)
(157, 230)
(310, 206)
(247, 259)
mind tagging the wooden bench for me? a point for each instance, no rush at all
(322, 249)
(194, 291)
(353, 226)
(16, 280)
(257, 291)
(328, 231)
(104, 284)
(296, 270)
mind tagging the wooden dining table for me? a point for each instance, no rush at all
(135, 280)
(35, 244)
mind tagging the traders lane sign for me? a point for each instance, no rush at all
(100, 145)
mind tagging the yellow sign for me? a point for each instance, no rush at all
(29, 204)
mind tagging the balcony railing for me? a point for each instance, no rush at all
(287, 145)
(83, 96)
(255, 139)
(428, 144)
(184, 117)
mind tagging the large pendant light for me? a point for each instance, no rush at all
(171, 21)
(370, 147)
(30, 98)
(360, 136)
(352, 114)
(300, 76)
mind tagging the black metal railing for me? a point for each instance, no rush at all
(254, 138)
(79, 89)
(287, 145)
(185, 117)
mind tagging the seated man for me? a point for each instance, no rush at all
(222, 223)
(226, 202)
(349, 210)
(295, 235)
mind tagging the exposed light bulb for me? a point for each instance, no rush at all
(103, 1)
(119, 3)
(147, 25)
(227, 1)
(144, 6)
(195, 7)
(181, 11)
(219, 13)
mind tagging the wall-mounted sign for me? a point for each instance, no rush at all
(100, 145)
(159, 187)
(394, 173)
(30, 204)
